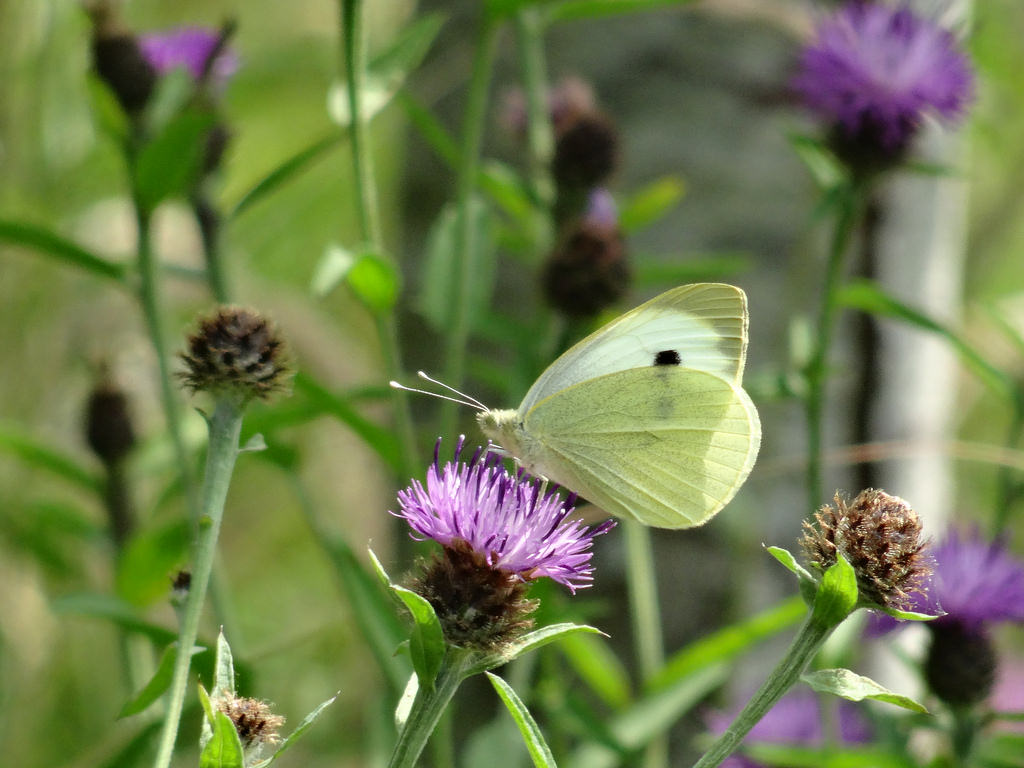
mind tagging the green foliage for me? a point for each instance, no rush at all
(224, 749)
(157, 685)
(539, 750)
(854, 687)
(837, 594)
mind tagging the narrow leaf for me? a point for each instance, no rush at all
(651, 203)
(289, 169)
(867, 296)
(729, 643)
(837, 594)
(254, 444)
(531, 641)
(168, 165)
(426, 645)
(594, 661)
(786, 557)
(539, 751)
(850, 685)
(576, 10)
(224, 750)
(295, 735)
(156, 686)
(224, 668)
(381, 440)
(143, 571)
(56, 247)
(115, 610)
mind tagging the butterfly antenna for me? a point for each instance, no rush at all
(467, 399)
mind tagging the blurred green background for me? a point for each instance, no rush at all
(699, 94)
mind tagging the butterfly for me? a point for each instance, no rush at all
(646, 417)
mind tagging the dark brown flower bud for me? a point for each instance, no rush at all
(586, 153)
(235, 351)
(478, 605)
(118, 59)
(961, 665)
(589, 269)
(254, 721)
(880, 536)
(108, 424)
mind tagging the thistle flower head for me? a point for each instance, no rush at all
(499, 532)
(254, 721)
(190, 48)
(873, 72)
(235, 351)
(880, 536)
(586, 153)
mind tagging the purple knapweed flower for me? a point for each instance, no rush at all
(795, 720)
(189, 48)
(509, 521)
(872, 72)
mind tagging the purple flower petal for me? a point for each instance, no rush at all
(881, 69)
(508, 519)
(188, 47)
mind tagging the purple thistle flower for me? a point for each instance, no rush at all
(874, 72)
(796, 720)
(191, 48)
(508, 520)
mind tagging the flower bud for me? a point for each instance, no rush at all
(108, 424)
(235, 351)
(961, 665)
(254, 721)
(586, 153)
(880, 536)
(119, 60)
(589, 269)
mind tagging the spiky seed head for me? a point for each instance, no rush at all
(880, 536)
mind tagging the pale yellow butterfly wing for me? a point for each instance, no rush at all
(667, 445)
(705, 324)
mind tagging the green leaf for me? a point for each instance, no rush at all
(650, 717)
(729, 643)
(381, 440)
(786, 557)
(115, 610)
(659, 271)
(289, 169)
(824, 168)
(295, 735)
(596, 663)
(173, 92)
(168, 165)
(143, 571)
(426, 645)
(908, 615)
(40, 456)
(832, 756)
(531, 641)
(255, 444)
(867, 296)
(435, 298)
(224, 750)
(405, 702)
(837, 594)
(106, 110)
(538, 748)
(56, 247)
(850, 685)
(157, 685)
(373, 280)
(387, 72)
(224, 668)
(651, 203)
(575, 10)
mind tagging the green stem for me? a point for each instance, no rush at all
(465, 246)
(817, 367)
(806, 644)
(367, 208)
(149, 298)
(225, 427)
(641, 580)
(539, 136)
(427, 708)
(209, 222)
(354, 55)
(965, 730)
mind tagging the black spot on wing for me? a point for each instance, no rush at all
(667, 357)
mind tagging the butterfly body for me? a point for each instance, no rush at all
(646, 417)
